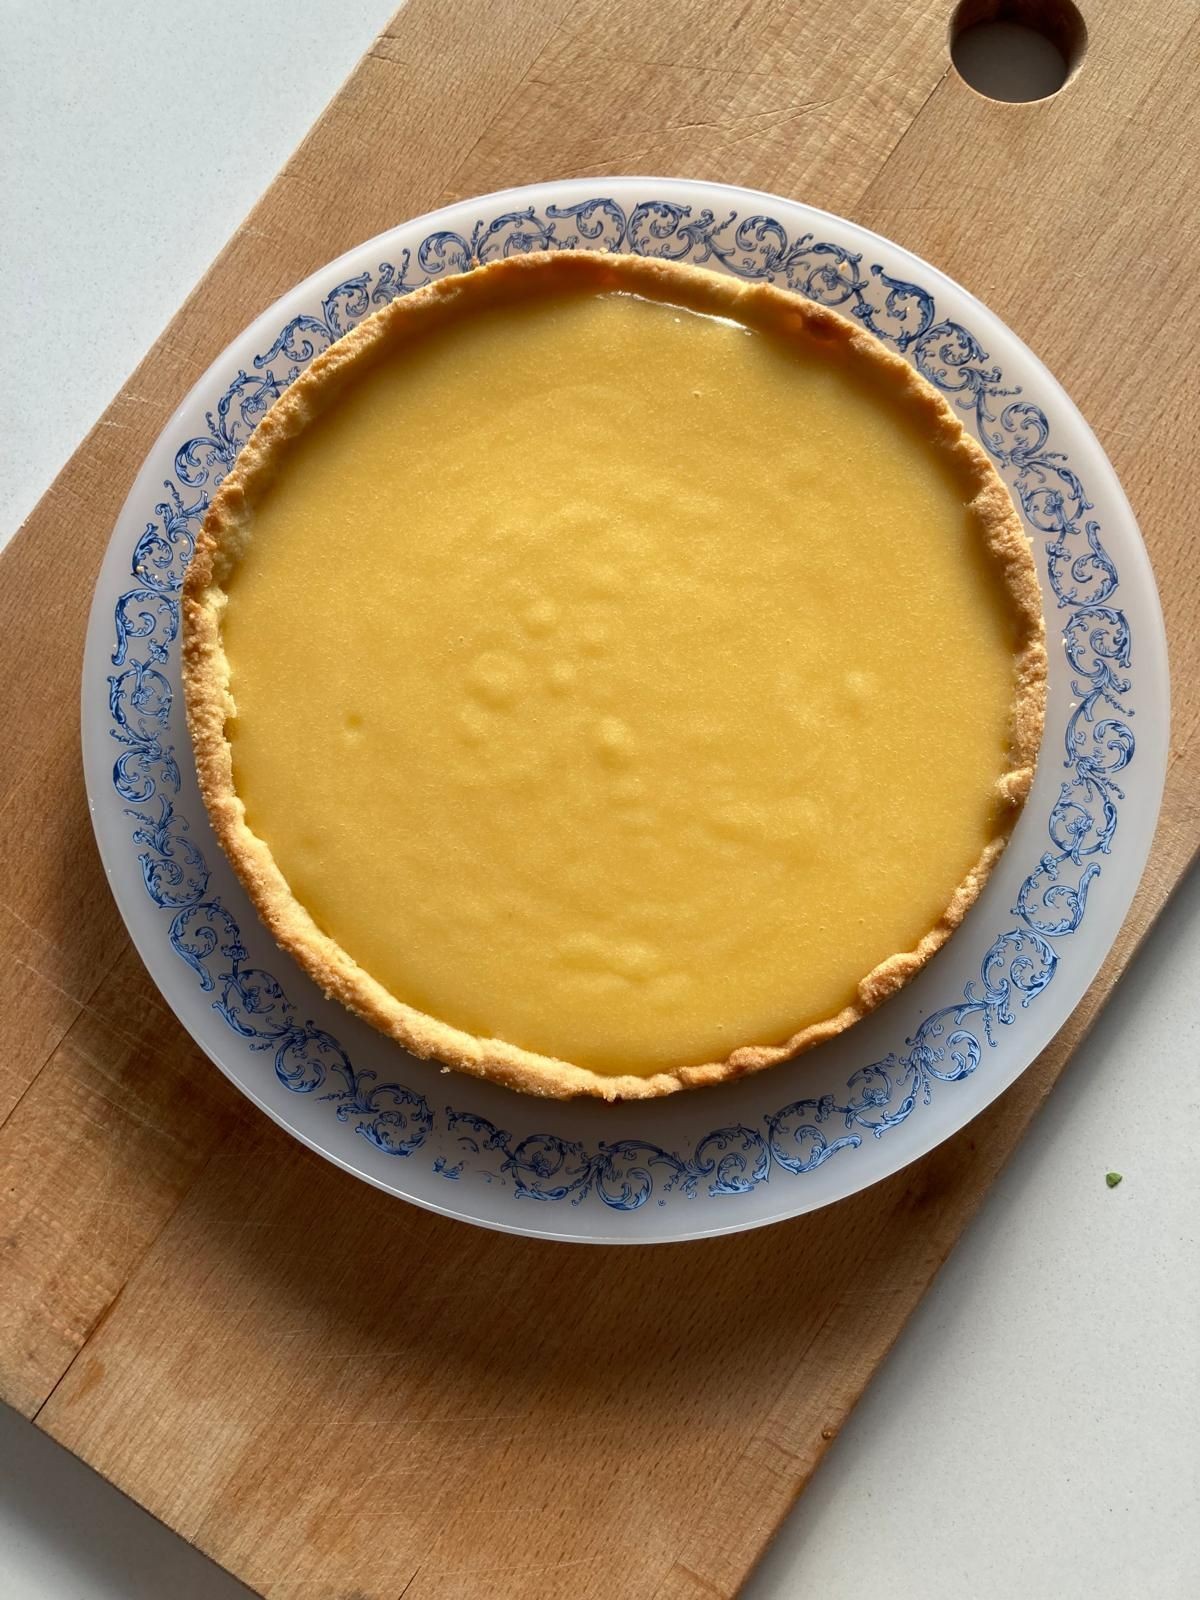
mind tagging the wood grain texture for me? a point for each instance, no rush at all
(334, 1394)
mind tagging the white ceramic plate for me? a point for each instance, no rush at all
(785, 1141)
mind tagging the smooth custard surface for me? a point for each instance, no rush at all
(618, 681)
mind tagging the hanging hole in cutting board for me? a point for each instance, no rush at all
(1017, 50)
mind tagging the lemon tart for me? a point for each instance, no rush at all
(607, 677)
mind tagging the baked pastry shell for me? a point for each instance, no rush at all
(223, 537)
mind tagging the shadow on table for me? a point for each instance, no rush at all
(64, 1531)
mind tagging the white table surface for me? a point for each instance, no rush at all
(1034, 1431)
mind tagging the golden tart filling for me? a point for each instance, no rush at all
(606, 677)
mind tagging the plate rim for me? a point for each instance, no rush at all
(1153, 669)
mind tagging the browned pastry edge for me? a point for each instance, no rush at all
(221, 539)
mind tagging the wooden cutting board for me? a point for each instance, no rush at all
(335, 1394)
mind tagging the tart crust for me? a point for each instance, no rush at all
(221, 540)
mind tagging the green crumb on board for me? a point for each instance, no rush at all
(1112, 1179)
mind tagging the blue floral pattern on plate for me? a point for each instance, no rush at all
(951, 1042)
